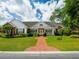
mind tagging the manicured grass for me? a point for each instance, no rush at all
(66, 44)
(16, 44)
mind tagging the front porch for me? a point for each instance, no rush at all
(41, 31)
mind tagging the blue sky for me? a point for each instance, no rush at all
(28, 10)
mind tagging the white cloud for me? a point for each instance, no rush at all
(60, 4)
(46, 10)
(26, 12)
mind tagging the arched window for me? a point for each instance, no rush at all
(41, 24)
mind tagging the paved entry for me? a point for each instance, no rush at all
(42, 46)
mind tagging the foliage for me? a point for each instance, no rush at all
(66, 31)
(49, 30)
(45, 34)
(2, 34)
(20, 35)
(35, 34)
(56, 14)
(23, 35)
(60, 31)
(63, 31)
(7, 29)
(29, 32)
(71, 13)
(56, 32)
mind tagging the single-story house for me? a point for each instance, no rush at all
(43, 27)
(38, 27)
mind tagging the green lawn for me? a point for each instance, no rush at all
(66, 44)
(16, 44)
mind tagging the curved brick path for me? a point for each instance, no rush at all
(42, 46)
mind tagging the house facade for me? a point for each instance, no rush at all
(43, 27)
(37, 27)
(18, 27)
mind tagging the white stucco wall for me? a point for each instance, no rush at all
(19, 25)
(45, 26)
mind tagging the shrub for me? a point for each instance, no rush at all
(60, 31)
(63, 31)
(2, 34)
(29, 34)
(7, 36)
(38, 34)
(45, 34)
(35, 34)
(56, 32)
(18, 36)
(23, 35)
(67, 31)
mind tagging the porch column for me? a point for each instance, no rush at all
(25, 31)
(53, 31)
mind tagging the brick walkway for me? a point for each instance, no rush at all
(42, 46)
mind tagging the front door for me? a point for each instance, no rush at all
(41, 31)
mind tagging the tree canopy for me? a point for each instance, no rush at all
(7, 26)
(56, 14)
(71, 13)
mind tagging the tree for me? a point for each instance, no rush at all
(7, 29)
(71, 14)
(56, 14)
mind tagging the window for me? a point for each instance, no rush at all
(41, 24)
(21, 30)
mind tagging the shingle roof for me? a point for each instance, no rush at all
(17, 24)
(30, 24)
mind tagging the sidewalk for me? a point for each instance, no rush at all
(42, 46)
